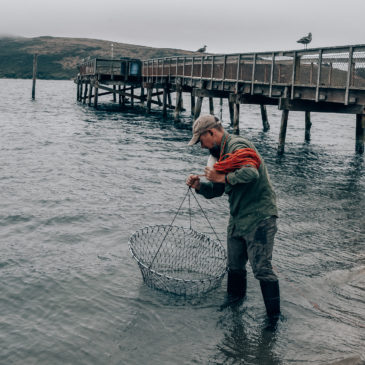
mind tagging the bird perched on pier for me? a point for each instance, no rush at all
(202, 50)
(305, 40)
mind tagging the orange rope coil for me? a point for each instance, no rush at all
(233, 161)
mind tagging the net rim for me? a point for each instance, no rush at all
(218, 243)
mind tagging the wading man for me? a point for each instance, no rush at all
(241, 173)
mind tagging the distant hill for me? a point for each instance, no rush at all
(58, 57)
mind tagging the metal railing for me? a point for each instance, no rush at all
(335, 67)
(103, 66)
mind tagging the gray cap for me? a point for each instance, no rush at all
(202, 125)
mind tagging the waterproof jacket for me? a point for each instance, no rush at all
(250, 193)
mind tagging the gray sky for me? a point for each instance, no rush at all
(225, 26)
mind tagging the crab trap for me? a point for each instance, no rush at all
(179, 260)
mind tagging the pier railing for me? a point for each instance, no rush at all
(334, 74)
(328, 80)
(118, 69)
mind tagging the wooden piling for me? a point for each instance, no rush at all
(221, 108)
(158, 97)
(198, 107)
(236, 118)
(211, 106)
(142, 96)
(119, 95)
(123, 96)
(90, 94)
(192, 103)
(178, 102)
(164, 102)
(80, 93)
(265, 121)
(149, 98)
(85, 94)
(282, 135)
(360, 133)
(114, 94)
(132, 95)
(78, 90)
(96, 92)
(231, 112)
(35, 62)
(308, 125)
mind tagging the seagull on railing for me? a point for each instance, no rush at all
(305, 40)
(202, 50)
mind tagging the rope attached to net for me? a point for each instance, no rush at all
(205, 215)
(173, 220)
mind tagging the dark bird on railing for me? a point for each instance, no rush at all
(305, 40)
(202, 50)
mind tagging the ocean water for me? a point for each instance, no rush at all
(75, 183)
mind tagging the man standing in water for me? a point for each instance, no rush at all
(253, 211)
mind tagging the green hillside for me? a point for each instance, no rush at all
(58, 57)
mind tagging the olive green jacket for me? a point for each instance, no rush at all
(250, 193)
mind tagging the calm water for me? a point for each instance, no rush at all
(75, 183)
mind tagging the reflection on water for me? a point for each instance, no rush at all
(75, 183)
(242, 342)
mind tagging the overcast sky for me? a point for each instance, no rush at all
(225, 26)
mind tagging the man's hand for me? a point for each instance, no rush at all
(193, 181)
(214, 176)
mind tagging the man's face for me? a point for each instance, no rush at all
(207, 140)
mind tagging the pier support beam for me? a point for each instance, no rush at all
(236, 118)
(90, 94)
(81, 89)
(119, 96)
(220, 108)
(178, 103)
(164, 101)
(78, 90)
(85, 94)
(114, 94)
(211, 106)
(96, 93)
(158, 97)
(123, 96)
(265, 121)
(282, 135)
(192, 101)
(231, 112)
(360, 133)
(308, 125)
(35, 62)
(132, 96)
(142, 96)
(198, 107)
(169, 99)
(149, 98)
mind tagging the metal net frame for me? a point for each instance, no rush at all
(179, 260)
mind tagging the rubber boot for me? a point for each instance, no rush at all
(271, 295)
(236, 288)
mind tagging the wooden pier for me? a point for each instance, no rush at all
(330, 80)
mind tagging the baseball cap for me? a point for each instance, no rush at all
(202, 125)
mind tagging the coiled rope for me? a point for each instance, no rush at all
(236, 160)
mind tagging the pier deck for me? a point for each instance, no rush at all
(320, 80)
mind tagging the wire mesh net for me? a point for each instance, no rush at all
(178, 260)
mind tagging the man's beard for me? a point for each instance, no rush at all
(215, 151)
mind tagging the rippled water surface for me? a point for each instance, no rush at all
(75, 183)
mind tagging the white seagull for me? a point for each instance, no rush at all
(305, 40)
